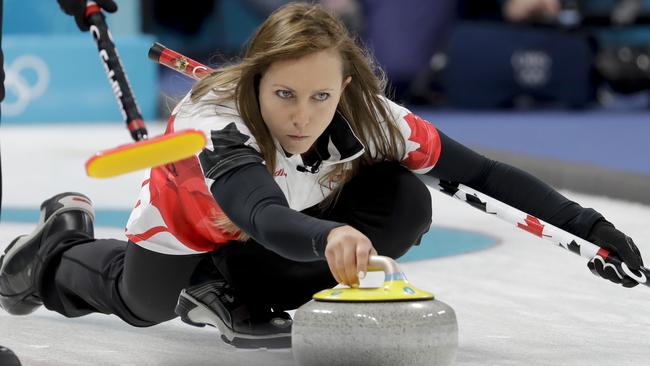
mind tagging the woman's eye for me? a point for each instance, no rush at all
(284, 94)
(322, 96)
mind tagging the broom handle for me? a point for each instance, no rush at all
(115, 72)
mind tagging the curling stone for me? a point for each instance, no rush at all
(396, 324)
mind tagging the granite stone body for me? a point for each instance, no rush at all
(375, 333)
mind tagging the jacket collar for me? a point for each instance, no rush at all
(337, 144)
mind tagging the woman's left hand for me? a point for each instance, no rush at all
(606, 236)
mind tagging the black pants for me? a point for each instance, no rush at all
(385, 201)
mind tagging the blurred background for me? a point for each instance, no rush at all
(560, 88)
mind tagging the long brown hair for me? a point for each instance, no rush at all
(293, 31)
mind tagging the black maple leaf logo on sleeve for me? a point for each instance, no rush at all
(574, 247)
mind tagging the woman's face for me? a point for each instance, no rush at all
(298, 98)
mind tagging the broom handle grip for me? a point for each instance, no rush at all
(115, 72)
(178, 62)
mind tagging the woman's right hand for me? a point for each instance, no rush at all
(348, 251)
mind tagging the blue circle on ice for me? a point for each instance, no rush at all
(444, 242)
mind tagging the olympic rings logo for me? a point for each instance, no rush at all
(531, 68)
(17, 83)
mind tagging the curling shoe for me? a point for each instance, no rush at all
(217, 304)
(21, 265)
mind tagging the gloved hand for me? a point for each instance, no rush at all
(606, 236)
(77, 8)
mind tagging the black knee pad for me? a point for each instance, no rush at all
(389, 204)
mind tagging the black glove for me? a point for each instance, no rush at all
(77, 8)
(606, 236)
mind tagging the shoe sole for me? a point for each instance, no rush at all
(270, 343)
(195, 313)
(15, 298)
(71, 202)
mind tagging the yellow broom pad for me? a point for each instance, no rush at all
(145, 154)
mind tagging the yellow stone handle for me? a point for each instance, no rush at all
(382, 263)
(395, 287)
(392, 271)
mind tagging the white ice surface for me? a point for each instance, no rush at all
(522, 302)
